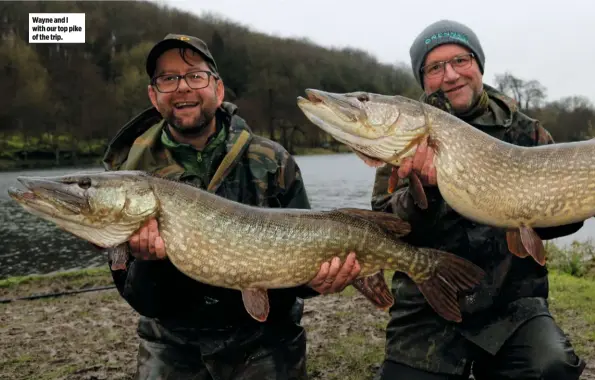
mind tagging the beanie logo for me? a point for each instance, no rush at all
(453, 35)
(184, 38)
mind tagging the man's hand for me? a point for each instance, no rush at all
(146, 243)
(422, 163)
(334, 277)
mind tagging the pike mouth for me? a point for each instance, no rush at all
(338, 105)
(37, 205)
(48, 197)
(329, 112)
(311, 96)
(23, 196)
(315, 109)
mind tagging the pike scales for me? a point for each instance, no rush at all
(228, 244)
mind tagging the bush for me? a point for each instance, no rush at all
(576, 260)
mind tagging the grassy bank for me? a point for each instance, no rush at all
(92, 335)
(20, 286)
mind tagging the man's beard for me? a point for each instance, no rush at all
(197, 128)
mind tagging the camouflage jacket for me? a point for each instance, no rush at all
(514, 289)
(264, 175)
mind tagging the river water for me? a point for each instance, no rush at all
(30, 245)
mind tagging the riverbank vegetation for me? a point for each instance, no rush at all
(92, 335)
(62, 103)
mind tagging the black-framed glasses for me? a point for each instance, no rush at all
(194, 79)
(462, 61)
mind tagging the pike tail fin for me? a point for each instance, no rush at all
(451, 276)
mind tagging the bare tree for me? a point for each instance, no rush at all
(535, 94)
(528, 94)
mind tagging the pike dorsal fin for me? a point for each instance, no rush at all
(388, 222)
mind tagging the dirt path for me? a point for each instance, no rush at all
(92, 336)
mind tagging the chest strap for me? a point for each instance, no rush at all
(229, 161)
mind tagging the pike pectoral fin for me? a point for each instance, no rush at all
(452, 275)
(256, 302)
(118, 256)
(533, 244)
(389, 222)
(415, 187)
(370, 161)
(515, 245)
(393, 180)
(525, 242)
(417, 191)
(375, 289)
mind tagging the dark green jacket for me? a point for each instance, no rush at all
(514, 289)
(264, 175)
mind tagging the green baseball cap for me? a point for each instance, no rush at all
(172, 41)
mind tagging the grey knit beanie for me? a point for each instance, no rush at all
(439, 33)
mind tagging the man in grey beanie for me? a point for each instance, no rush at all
(507, 330)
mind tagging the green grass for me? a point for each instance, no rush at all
(571, 303)
(73, 276)
(58, 373)
(14, 287)
(352, 357)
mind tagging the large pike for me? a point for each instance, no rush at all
(228, 244)
(481, 177)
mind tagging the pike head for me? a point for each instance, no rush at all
(102, 208)
(379, 128)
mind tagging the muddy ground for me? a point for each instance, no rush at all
(92, 335)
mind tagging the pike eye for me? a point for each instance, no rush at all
(84, 183)
(363, 97)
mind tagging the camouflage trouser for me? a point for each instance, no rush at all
(260, 352)
(537, 350)
(513, 340)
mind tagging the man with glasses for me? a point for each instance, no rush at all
(507, 330)
(190, 330)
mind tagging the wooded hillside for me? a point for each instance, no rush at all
(65, 101)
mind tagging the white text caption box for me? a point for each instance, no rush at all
(51, 28)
